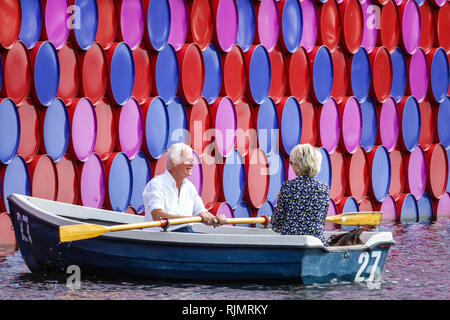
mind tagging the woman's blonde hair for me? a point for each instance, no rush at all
(307, 158)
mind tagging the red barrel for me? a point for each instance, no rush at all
(428, 34)
(426, 124)
(7, 236)
(69, 76)
(93, 74)
(192, 72)
(442, 27)
(211, 183)
(106, 129)
(107, 23)
(338, 176)
(44, 179)
(235, 74)
(329, 25)
(159, 166)
(389, 209)
(310, 128)
(442, 207)
(358, 178)
(257, 178)
(398, 173)
(416, 172)
(68, 188)
(340, 74)
(202, 23)
(389, 26)
(10, 22)
(143, 78)
(246, 135)
(437, 165)
(278, 75)
(352, 25)
(366, 204)
(298, 74)
(30, 133)
(200, 125)
(17, 73)
(382, 74)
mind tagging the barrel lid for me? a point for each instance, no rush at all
(440, 75)
(349, 205)
(309, 122)
(332, 210)
(199, 125)
(324, 174)
(193, 73)
(366, 204)
(158, 23)
(277, 177)
(443, 128)
(92, 182)
(427, 26)
(56, 18)
(409, 112)
(411, 25)
(290, 124)
(322, 74)
(381, 74)
(299, 74)
(389, 209)
(234, 74)
(389, 26)
(330, 125)
(17, 73)
(44, 180)
(407, 208)
(267, 124)
(86, 31)
(9, 130)
(132, 22)
(443, 207)
(11, 19)
(93, 73)
(380, 172)
(8, 240)
(398, 173)
(427, 125)
(278, 74)
(259, 74)
(291, 24)
(246, 136)
(370, 30)
(119, 181)
(246, 25)
(338, 175)
(212, 73)
(225, 124)
(233, 178)
(196, 176)
(106, 129)
(268, 21)
(178, 23)
(167, 73)
(352, 123)
(353, 25)
(418, 75)
(330, 25)
(310, 29)
(223, 208)
(399, 74)
(211, 179)
(69, 81)
(156, 127)
(443, 25)
(202, 23)
(437, 165)
(358, 174)
(417, 172)
(257, 177)
(46, 72)
(143, 81)
(265, 210)
(141, 173)
(389, 124)
(68, 188)
(130, 128)
(31, 23)
(369, 124)
(242, 210)
(121, 73)
(83, 129)
(56, 130)
(16, 179)
(227, 21)
(340, 75)
(177, 122)
(107, 23)
(361, 74)
(30, 132)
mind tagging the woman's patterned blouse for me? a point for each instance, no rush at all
(302, 207)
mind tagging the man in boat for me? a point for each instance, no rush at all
(170, 195)
(302, 204)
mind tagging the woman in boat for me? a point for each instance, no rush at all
(303, 202)
(170, 195)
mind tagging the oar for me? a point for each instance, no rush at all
(365, 218)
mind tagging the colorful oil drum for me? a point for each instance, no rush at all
(348, 204)
(200, 124)
(443, 129)
(425, 208)
(223, 115)
(119, 182)
(107, 23)
(416, 171)
(44, 179)
(178, 23)
(291, 23)
(132, 22)
(202, 23)
(277, 174)
(232, 177)
(439, 74)
(246, 135)
(130, 128)
(192, 73)
(325, 173)
(382, 74)
(442, 207)
(407, 209)
(366, 204)
(58, 17)
(213, 72)
(298, 74)
(159, 166)
(398, 173)
(418, 75)
(7, 236)
(156, 120)
(437, 167)
(409, 14)
(443, 26)
(159, 23)
(309, 122)
(389, 209)
(332, 211)
(141, 173)
(389, 124)
(30, 131)
(167, 73)
(106, 129)
(370, 31)
(257, 178)
(9, 130)
(352, 21)
(448, 160)
(322, 73)
(211, 182)
(351, 124)
(259, 73)
(369, 124)
(268, 24)
(85, 22)
(390, 26)
(177, 115)
(196, 176)
(227, 21)
(235, 74)
(246, 24)
(57, 129)
(361, 75)
(380, 173)
(17, 75)
(92, 182)
(69, 75)
(340, 75)
(242, 210)
(427, 125)
(399, 74)
(68, 188)
(278, 74)
(94, 76)
(410, 123)
(428, 30)
(15, 178)
(310, 27)
(338, 176)
(143, 79)
(290, 117)
(267, 126)
(330, 125)
(31, 26)
(266, 210)
(358, 174)
(222, 208)
(330, 25)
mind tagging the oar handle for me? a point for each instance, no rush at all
(264, 220)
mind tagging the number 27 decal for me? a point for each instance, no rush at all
(364, 260)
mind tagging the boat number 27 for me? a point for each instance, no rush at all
(363, 260)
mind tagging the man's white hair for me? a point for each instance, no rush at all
(177, 153)
(308, 159)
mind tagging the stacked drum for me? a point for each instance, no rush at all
(94, 92)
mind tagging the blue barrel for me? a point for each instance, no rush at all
(407, 208)
(260, 74)
(156, 128)
(440, 75)
(30, 30)
(86, 32)
(265, 210)
(291, 124)
(277, 176)
(56, 130)
(178, 131)
(158, 23)
(16, 179)
(325, 172)
(268, 126)
(246, 26)
(233, 178)
(425, 207)
(411, 123)
(443, 121)
(167, 73)
(291, 25)
(213, 73)
(242, 210)
(380, 173)
(121, 73)
(323, 74)
(120, 181)
(350, 205)
(369, 124)
(141, 172)
(361, 75)
(399, 75)
(9, 130)
(46, 73)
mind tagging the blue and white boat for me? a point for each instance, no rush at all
(223, 253)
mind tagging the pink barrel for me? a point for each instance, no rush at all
(389, 124)
(57, 21)
(92, 182)
(370, 31)
(330, 125)
(411, 25)
(227, 23)
(196, 176)
(132, 22)
(310, 29)
(418, 75)
(268, 24)
(389, 209)
(130, 128)
(222, 208)
(223, 115)
(351, 122)
(416, 170)
(442, 207)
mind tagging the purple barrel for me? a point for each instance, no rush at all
(411, 25)
(225, 125)
(389, 209)
(370, 31)
(141, 172)
(132, 22)
(389, 124)
(227, 23)
(179, 22)
(268, 24)
(351, 119)
(223, 208)
(416, 167)
(330, 125)
(332, 211)
(443, 129)
(310, 27)
(196, 176)
(443, 207)
(425, 207)
(242, 210)
(418, 75)
(130, 128)
(57, 21)
(92, 182)
(9, 130)
(83, 128)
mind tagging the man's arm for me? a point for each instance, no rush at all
(158, 214)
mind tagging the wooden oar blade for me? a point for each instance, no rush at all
(357, 219)
(80, 232)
